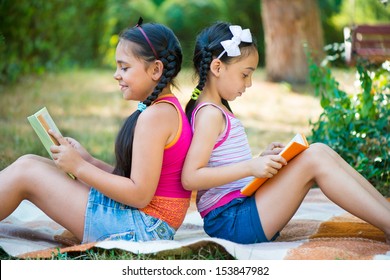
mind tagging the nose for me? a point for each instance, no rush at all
(248, 83)
(116, 75)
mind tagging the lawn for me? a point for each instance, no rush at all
(87, 105)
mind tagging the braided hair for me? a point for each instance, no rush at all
(207, 47)
(163, 43)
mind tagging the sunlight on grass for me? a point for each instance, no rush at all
(88, 106)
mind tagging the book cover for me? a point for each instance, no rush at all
(42, 122)
(297, 145)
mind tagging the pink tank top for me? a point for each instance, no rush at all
(171, 200)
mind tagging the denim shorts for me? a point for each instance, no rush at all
(237, 221)
(106, 219)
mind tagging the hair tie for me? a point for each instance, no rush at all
(195, 94)
(146, 37)
(141, 107)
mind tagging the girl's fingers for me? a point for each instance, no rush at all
(276, 151)
(276, 164)
(61, 140)
(279, 159)
(54, 149)
(277, 145)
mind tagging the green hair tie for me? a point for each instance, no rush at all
(195, 94)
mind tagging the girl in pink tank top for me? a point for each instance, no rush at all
(140, 198)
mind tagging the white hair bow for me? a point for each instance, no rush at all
(239, 35)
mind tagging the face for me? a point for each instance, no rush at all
(235, 77)
(133, 75)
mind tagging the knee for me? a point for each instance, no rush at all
(27, 158)
(319, 147)
(23, 165)
(316, 154)
(23, 162)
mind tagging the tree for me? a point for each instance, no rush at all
(289, 25)
(188, 18)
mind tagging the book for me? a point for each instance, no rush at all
(42, 122)
(297, 145)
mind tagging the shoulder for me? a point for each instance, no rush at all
(209, 113)
(158, 123)
(160, 112)
(209, 117)
(210, 110)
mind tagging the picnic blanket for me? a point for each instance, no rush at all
(319, 230)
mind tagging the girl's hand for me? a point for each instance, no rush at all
(273, 149)
(65, 156)
(268, 166)
(79, 148)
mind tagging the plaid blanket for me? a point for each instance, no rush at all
(319, 230)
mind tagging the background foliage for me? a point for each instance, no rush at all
(357, 126)
(37, 36)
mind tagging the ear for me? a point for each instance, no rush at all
(215, 67)
(156, 70)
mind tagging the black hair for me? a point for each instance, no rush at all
(207, 47)
(168, 49)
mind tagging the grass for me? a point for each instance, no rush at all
(87, 105)
(78, 103)
(205, 252)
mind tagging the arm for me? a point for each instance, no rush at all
(197, 176)
(153, 130)
(102, 165)
(88, 157)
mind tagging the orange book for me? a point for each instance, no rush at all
(297, 145)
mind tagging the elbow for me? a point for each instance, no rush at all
(144, 200)
(140, 202)
(187, 183)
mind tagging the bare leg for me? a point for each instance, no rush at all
(49, 188)
(357, 176)
(279, 198)
(33, 157)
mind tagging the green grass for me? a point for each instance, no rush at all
(206, 252)
(88, 106)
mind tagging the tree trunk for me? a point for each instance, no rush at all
(289, 25)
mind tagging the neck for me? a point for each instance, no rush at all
(209, 94)
(166, 90)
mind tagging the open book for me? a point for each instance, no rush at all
(42, 122)
(297, 145)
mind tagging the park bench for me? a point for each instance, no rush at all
(368, 42)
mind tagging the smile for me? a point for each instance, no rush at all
(123, 87)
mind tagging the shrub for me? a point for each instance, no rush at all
(187, 18)
(38, 36)
(357, 126)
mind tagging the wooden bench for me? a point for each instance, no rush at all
(368, 42)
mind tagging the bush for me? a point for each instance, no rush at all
(188, 18)
(357, 126)
(37, 36)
